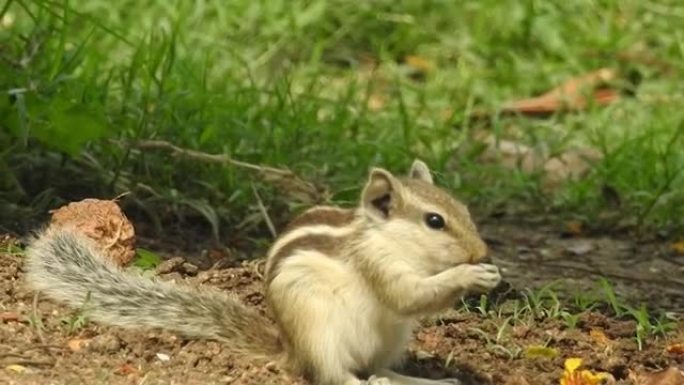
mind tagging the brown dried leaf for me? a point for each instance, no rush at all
(77, 344)
(125, 369)
(676, 349)
(419, 63)
(537, 351)
(669, 376)
(600, 337)
(103, 222)
(574, 228)
(569, 95)
(376, 102)
(9, 316)
(16, 368)
(678, 247)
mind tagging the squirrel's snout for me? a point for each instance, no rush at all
(479, 253)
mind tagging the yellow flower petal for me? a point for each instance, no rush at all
(590, 378)
(571, 364)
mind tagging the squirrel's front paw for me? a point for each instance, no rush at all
(481, 277)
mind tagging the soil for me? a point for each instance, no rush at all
(42, 342)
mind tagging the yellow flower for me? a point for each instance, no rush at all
(571, 376)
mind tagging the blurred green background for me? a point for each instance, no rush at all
(328, 89)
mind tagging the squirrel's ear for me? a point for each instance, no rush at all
(381, 193)
(420, 170)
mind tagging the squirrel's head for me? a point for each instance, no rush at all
(419, 221)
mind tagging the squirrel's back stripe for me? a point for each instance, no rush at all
(321, 229)
(322, 215)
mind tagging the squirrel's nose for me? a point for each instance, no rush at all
(479, 253)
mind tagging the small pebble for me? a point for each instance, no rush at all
(170, 265)
(163, 357)
(190, 269)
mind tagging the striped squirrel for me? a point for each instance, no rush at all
(345, 286)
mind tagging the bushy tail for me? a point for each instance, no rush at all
(66, 267)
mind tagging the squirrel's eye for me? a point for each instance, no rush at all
(434, 221)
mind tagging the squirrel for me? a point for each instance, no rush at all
(345, 287)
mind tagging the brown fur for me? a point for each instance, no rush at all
(322, 215)
(325, 244)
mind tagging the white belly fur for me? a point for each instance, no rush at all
(332, 318)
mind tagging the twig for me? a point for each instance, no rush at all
(286, 179)
(27, 362)
(264, 213)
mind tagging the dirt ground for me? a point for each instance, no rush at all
(45, 343)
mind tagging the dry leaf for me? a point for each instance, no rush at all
(125, 369)
(9, 316)
(16, 368)
(376, 102)
(574, 228)
(537, 351)
(678, 247)
(677, 349)
(103, 222)
(600, 337)
(569, 95)
(77, 344)
(419, 63)
(669, 376)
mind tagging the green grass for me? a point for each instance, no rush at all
(537, 305)
(287, 84)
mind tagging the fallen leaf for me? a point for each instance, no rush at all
(376, 102)
(16, 368)
(574, 94)
(125, 369)
(677, 349)
(678, 247)
(77, 344)
(538, 351)
(669, 376)
(9, 316)
(419, 63)
(600, 337)
(574, 228)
